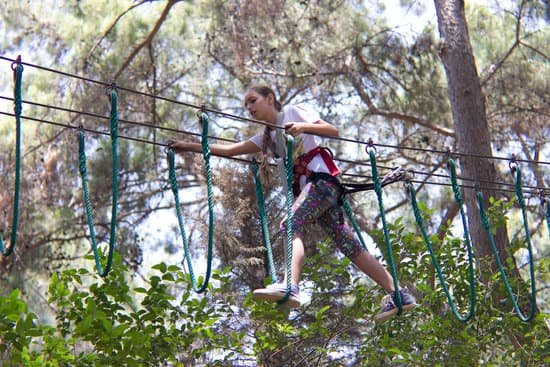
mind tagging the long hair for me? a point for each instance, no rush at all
(267, 142)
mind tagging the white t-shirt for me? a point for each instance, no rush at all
(303, 143)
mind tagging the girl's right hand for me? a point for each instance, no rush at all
(178, 146)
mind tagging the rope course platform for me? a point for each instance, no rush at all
(394, 175)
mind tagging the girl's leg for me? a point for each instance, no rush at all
(309, 205)
(312, 202)
(334, 224)
(298, 258)
(372, 267)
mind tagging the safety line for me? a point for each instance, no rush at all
(241, 118)
(91, 114)
(232, 141)
(74, 127)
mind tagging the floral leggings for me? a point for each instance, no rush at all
(318, 202)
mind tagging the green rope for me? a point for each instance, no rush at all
(203, 118)
(114, 182)
(487, 227)
(17, 76)
(349, 213)
(420, 222)
(289, 168)
(547, 202)
(263, 218)
(378, 190)
(396, 174)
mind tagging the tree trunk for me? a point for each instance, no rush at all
(470, 120)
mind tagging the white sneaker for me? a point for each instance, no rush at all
(389, 305)
(277, 291)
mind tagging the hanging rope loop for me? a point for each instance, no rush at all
(263, 220)
(203, 119)
(389, 253)
(505, 279)
(102, 271)
(420, 222)
(289, 173)
(17, 68)
(289, 170)
(175, 191)
(545, 201)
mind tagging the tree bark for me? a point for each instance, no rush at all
(470, 121)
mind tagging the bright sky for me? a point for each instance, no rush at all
(413, 19)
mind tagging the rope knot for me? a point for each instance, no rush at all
(17, 64)
(513, 164)
(370, 146)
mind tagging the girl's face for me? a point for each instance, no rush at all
(259, 106)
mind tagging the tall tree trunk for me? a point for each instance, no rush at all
(469, 118)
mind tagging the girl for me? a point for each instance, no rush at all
(316, 186)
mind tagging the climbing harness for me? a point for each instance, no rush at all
(17, 68)
(420, 223)
(203, 119)
(396, 174)
(486, 225)
(302, 161)
(114, 182)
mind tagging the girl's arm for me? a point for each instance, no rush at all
(318, 127)
(226, 150)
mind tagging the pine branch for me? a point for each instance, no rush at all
(149, 38)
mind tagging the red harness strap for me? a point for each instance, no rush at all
(300, 166)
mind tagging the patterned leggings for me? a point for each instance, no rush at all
(318, 202)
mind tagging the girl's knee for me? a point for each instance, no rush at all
(351, 250)
(297, 228)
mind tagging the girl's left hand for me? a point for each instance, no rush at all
(294, 128)
(282, 223)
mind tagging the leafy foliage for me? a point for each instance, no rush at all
(107, 322)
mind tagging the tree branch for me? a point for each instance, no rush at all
(110, 29)
(149, 38)
(394, 115)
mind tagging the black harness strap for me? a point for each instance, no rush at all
(395, 175)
